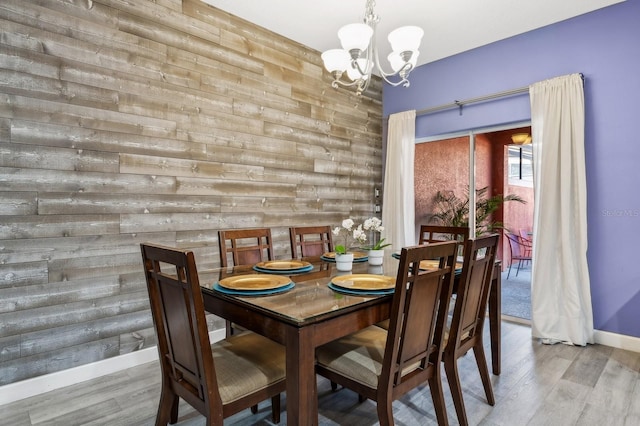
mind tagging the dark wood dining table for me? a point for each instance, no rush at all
(310, 315)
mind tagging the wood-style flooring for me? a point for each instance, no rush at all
(539, 385)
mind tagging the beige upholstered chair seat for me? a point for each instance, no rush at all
(245, 363)
(383, 324)
(358, 356)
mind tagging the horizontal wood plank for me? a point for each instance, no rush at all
(22, 274)
(50, 362)
(18, 203)
(71, 181)
(96, 203)
(14, 227)
(48, 249)
(81, 267)
(47, 134)
(36, 295)
(48, 317)
(76, 334)
(39, 157)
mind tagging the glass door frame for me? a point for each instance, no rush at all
(471, 134)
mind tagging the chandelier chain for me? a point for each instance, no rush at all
(370, 16)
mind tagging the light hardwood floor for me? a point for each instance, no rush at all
(539, 385)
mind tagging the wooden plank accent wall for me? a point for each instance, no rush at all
(165, 121)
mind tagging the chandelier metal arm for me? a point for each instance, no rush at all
(402, 72)
(338, 81)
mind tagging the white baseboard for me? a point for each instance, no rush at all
(41, 384)
(516, 320)
(605, 338)
(619, 341)
(48, 382)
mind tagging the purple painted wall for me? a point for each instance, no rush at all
(605, 46)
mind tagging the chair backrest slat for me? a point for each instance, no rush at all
(435, 233)
(310, 241)
(246, 246)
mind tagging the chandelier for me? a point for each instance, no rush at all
(359, 54)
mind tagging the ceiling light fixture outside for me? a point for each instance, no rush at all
(359, 54)
(521, 138)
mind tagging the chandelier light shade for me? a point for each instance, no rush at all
(359, 56)
(355, 36)
(405, 39)
(336, 60)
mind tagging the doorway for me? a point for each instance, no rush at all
(518, 220)
(477, 159)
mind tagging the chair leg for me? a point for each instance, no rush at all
(481, 361)
(168, 407)
(437, 396)
(509, 273)
(229, 328)
(385, 412)
(519, 264)
(275, 409)
(451, 368)
(254, 409)
(334, 386)
(174, 412)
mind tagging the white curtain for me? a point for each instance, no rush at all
(398, 200)
(561, 297)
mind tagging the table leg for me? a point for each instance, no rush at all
(302, 399)
(495, 314)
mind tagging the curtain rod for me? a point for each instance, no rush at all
(460, 104)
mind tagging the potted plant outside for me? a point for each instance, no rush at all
(452, 210)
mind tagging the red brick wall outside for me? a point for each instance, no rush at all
(439, 166)
(444, 166)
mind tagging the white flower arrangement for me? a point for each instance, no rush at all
(374, 224)
(348, 231)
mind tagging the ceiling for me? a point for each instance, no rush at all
(450, 26)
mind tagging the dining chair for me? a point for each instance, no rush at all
(245, 246)
(467, 322)
(519, 250)
(435, 233)
(526, 239)
(383, 365)
(310, 241)
(217, 380)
